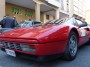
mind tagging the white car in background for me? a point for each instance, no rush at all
(30, 24)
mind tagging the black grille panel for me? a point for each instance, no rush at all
(18, 47)
(12, 45)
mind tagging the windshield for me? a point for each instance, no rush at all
(58, 21)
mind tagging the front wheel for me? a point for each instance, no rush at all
(72, 46)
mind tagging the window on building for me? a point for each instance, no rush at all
(76, 8)
(58, 0)
(47, 17)
(67, 1)
(76, 1)
(67, 5)
(62, 5)
(53, 17)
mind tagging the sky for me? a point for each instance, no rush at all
(87, 4)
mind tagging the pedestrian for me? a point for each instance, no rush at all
(8, 22)
(1, 24)
(15, 22)
(4, 17)
(30, 19)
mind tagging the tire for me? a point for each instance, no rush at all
(72, 47)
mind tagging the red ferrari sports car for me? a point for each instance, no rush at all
(62, 36)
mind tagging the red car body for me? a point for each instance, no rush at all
(49, 39)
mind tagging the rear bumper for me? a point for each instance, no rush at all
(45, 49)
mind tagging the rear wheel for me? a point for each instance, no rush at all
(72, 46)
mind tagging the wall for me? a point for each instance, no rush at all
(21, 16)
(79, 8)
(2, 9)
(54, 2)
(88, 16)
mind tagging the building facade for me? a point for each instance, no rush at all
(42, 10)
(74, 7)
(88, 16)
(79, 8)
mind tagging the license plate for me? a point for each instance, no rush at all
(10, 52)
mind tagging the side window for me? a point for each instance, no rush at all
(79, 22)
(75, 23)
(35, 23)
(30, 23)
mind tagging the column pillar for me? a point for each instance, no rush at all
(37, 12)
(57, 15)
(2, 9)
(71, 8)
(44, 17)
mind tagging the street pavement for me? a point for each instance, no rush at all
(82, 60)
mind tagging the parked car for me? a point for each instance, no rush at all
(89, 25)
(2, 30)
(30, 23)
(22, 25)
(62, 36)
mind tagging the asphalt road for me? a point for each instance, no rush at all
(82, 60)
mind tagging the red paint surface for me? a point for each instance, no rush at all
(47, 39)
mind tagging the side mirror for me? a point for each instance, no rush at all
(84, 24)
